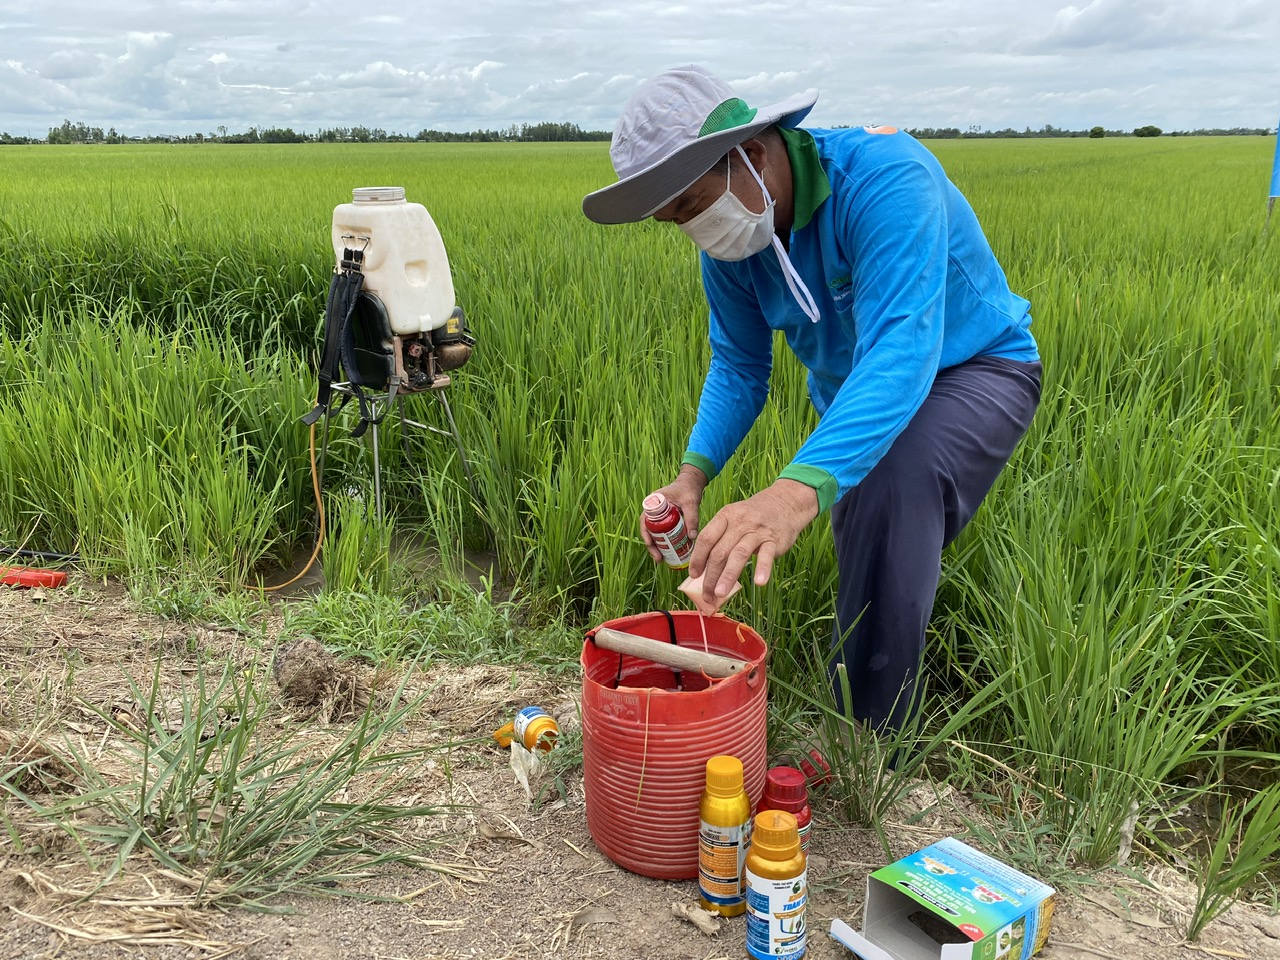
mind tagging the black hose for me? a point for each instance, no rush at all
(39, 555)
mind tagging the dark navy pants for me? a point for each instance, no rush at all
(890, 529)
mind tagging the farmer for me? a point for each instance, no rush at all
(922, 368)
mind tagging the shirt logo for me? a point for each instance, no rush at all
(877, 128)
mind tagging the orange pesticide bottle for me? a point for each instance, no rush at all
(723, 837)
(777, 889)
(533, 727)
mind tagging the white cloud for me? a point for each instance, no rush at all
(73, 64)
(197, 64)
(1150, 25)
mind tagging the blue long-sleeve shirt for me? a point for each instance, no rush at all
(906, 285)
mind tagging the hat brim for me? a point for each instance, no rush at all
(642, 194)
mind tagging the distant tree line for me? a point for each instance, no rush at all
(1048, 130)
(546, 132)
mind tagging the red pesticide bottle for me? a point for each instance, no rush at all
(785, 789)
(665, 524)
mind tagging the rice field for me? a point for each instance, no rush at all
(1116, 603)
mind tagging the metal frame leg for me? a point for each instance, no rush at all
(377, 473)
(397, 400)
(456, 436)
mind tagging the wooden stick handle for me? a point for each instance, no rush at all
(668, 654)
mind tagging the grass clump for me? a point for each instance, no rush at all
(213, 795)
(1246, 847)
(467, 627)
(870, 771)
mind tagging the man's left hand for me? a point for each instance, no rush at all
(765, 526)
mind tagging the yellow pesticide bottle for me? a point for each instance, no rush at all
(533, 727)
(723, 837)
(777, 888)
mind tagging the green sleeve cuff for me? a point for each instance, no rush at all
(823, 483)
(701, 462)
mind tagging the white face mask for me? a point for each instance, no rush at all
(727, 230)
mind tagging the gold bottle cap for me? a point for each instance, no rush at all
(776, 835)
(724, 776)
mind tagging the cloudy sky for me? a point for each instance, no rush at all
(183, 66)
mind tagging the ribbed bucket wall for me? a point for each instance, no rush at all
(648, 731)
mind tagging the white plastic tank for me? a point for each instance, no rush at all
(404, 260)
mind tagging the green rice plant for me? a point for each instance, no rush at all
(1116, 574)
(213, 795)
(452, 521)
(870, 770)
(1104, 725)
(356, 555)
(1248, 844)
(559, 561)
(129, 448)
(467, 626)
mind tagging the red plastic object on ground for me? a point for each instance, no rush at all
(785, 789)
(30, 577)
(819, 775)
(648, 732)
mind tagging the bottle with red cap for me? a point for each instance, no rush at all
(665, 524)
(785, 789)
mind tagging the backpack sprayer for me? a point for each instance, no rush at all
(391, 326)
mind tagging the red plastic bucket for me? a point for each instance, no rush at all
(648, 732)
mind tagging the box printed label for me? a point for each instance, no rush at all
(988, 901)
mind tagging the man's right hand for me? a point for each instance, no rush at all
(685, 491)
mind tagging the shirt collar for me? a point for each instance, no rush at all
(809, 183)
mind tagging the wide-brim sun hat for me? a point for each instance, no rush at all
(671, 132)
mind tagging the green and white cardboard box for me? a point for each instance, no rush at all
(954, 892)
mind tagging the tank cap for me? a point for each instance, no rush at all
(377, 194)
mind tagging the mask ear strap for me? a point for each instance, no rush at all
(797, 287)
(763, 189)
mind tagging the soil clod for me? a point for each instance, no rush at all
(311, 679)
(29, 765)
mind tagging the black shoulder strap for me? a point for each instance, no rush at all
(367, 410)
(344, 294)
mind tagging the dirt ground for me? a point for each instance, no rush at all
(521, 880)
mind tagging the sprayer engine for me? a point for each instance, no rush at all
(378, 358)
(422, 359)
